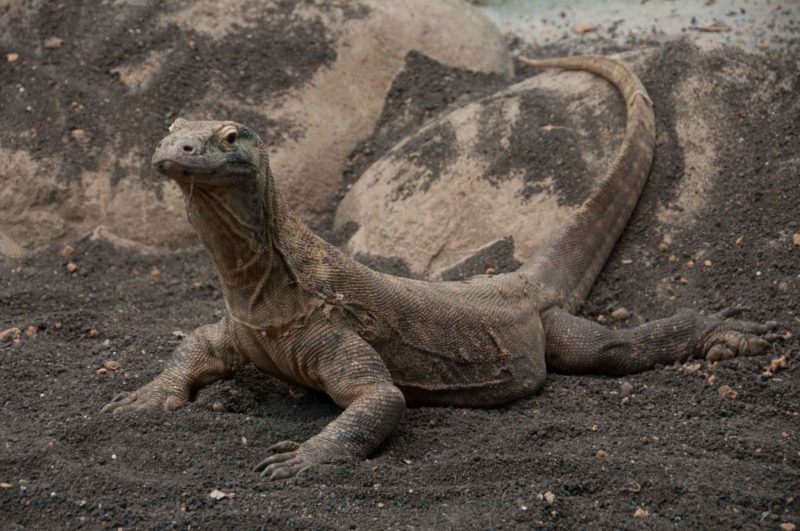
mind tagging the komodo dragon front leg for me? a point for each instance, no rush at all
(579, 346)
(206, 356)
(336, 360)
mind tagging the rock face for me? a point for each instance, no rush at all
(81, 119)
(512, 167)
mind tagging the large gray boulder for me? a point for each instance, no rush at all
(90, 88)
(512, 167)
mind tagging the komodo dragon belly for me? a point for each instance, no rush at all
(450, 359)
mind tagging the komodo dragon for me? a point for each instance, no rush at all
(303, 312)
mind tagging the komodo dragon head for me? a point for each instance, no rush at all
(209, 154)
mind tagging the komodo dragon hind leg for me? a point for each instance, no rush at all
(579, 346)
(205, 356)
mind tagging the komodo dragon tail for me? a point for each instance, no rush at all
(571, 263)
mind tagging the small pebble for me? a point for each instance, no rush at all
(218, 407)
(101, 371)
(707, 263)
(72, 267)
(12, 57)
(549, 497)
(739, 240)
(78, 134)
(693, 366)
(788, 526)
(796, 239)
(726, 392)
(217, 494)
(31, 331)
(11, 334)
(690, 264)
(641, 512)
(777, 363)
(626, 389)
(67, 250)
(602, 453)
(381, 505)
(155, 273)
(672, 259)
(53, 43)
(112, 365)
(94, 332)
(620, 314)
(584, 27)
(6, 486)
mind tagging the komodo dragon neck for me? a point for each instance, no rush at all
(249, 233)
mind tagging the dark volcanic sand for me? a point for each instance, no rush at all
(675, 447)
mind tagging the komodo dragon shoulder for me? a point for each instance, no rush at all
(301, 311)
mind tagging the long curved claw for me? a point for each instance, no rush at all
(727, 313)
(290, 459)
(120, 402)
(287, 460)
(150, 396)
(718, 353)
(283, 446)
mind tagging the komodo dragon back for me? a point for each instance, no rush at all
(571, 263)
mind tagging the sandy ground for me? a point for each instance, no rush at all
(587, 452)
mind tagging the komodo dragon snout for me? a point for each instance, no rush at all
(208, 153)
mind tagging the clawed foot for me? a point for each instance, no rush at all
(290, 459)
(725, 338)
(150, 396)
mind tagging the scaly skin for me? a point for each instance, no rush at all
(303, 312)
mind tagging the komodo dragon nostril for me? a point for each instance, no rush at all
(188, 149)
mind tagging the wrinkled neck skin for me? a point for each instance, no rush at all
(271, 266)
(237, 227)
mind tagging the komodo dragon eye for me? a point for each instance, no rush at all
(230, 134)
